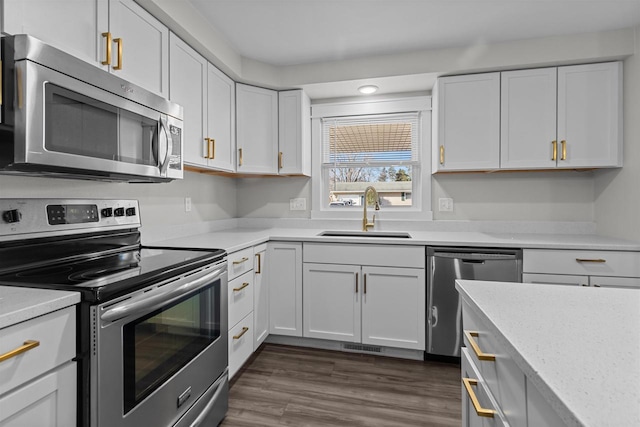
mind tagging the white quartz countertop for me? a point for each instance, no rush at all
(239, 238)
(19, 304)
(579, 346)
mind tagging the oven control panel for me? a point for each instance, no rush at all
(25, 217)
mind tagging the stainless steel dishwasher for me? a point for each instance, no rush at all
(444, 311)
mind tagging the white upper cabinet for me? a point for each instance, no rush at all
(590, 115)
(207, 97)
(117, 35)
(294, 110)
(528, 125)
(73, 26)
(144, 45)
(467, 131)
(221, 119)
(257, 130)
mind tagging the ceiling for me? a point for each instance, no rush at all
(292, 32)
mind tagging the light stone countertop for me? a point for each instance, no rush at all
(239, 238)
(579, 346)
(18, 304)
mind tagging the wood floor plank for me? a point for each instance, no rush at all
(303, 387)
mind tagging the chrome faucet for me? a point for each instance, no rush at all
(366, 225)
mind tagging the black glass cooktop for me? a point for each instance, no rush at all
(107, 276)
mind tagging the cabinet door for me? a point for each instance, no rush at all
(187, 83)
(615, 282)
(284, 274)
(260, 296)
(74, 26)
(556, 279)
(528, 119)
(49, 401)
(393, 307)
(257, 129)
(221, 119)
(590, 115)
(294, 133)
(145, 46)
(331, 301)
(468, 127)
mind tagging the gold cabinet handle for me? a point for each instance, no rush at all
(364, 283)
(591, 260)
(482, 412)
(208, 156)
(244, 331)
(476, 348)
(244, 259)
(356, 283)
(107, 61)
(118, 41)
(442, 154)
(563, 143)
(244, 285)
(555, 150)
(239, 156)
(280, 163)
(26, 346)
(212, 143)
(259, 269)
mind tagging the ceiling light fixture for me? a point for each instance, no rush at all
(368, 89)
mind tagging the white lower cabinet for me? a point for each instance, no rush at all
(240, 294)
(240, 344)
(366, 304)
(595, 268)
(260, 296)
(284, 274)
(38, 385)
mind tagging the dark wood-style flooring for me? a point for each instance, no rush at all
(293, 386)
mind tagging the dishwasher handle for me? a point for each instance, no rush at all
(477, 257)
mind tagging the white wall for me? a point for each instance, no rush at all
(269, 197)
(212, 197)
(617, 192)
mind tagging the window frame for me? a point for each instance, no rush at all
(421, 194)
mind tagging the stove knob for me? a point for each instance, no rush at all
(118, 211)
(11, 216)
(107, 212)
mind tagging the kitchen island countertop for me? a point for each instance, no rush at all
(579, 346)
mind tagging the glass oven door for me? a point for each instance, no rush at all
(159, 344)
(157, 350)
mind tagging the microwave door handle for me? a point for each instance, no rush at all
(169, 145)
(167, 296)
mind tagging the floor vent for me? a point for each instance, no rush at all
(360, 347)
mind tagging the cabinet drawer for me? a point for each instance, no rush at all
(591, 263)
(240, 344)
(365, 254)
(240, 262)
(240, 295)
(502, 376)
(483, 395)
(56, 333)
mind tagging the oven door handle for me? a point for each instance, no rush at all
(167, 295)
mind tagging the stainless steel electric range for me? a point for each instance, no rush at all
(152, 322)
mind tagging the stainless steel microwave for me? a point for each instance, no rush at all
(61, 116)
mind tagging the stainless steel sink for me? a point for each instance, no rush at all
(388, 234)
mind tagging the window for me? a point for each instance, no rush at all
(385, 143)
(378, 150)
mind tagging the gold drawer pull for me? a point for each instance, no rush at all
(594, 260)
(244, 331)
(244, 285)
(27, 345)
(244, 259)
(482, 412)
(476, 348)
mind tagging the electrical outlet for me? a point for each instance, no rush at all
(298, 204)
(187, 204)
(445, 205)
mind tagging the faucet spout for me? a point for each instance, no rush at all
(366, 225)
